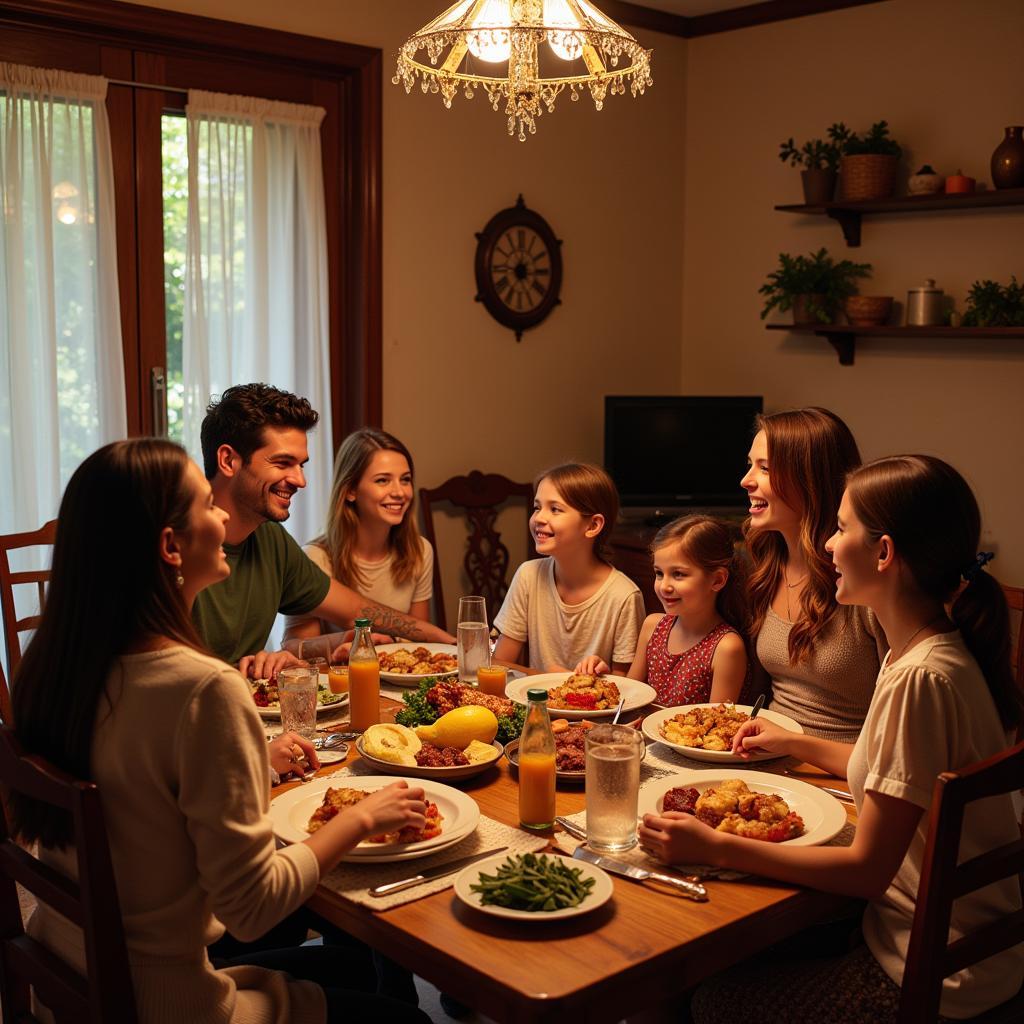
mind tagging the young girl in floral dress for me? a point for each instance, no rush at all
(695, 652)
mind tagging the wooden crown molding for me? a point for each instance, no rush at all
(723, 21)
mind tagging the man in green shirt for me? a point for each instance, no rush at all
(254, 448)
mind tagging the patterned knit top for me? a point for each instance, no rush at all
(683, 678)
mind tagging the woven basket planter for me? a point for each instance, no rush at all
(867, 176)
(867, 310)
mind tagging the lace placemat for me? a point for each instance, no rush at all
(354, 880)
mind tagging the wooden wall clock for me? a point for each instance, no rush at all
(518, 268)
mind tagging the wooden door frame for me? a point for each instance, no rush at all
(181, 51)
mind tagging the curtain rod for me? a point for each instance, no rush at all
(146, 85)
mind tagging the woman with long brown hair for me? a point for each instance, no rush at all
(115, 688)
(906, 546)
(371, 543)
(822, 659)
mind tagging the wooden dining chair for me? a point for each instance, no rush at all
(930, 956)
(13, 626)
(480, 496)
(105, 992)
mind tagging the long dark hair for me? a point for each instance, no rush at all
(339, 539)
(709, 543)
(810, 452)
(928, 509)
(108, 590)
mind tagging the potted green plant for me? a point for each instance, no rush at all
(813, 286)
(820, 163)
(867, 168)
(990, 304)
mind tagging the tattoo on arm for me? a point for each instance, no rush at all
(387, 620)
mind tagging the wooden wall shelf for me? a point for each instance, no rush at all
(843, 337)
(849, 215)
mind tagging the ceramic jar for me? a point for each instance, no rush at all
(1008, 160)
(926, 182)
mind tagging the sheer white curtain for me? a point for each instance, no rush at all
(256, 304)
(61, 364)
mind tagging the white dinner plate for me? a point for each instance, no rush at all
(404, 678)
(450, 774)
(597, 897)
(822, 813)
(637, 694)
(273, 713)
(652, 730)
(290, 813)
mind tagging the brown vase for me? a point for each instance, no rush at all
(1008, 160)
(802, 317)
(819, 185)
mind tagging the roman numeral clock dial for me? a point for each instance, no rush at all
(518, 268)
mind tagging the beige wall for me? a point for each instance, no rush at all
(457, 388)
(948, 76)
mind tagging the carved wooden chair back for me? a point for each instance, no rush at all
(486, 562)
(1015, 600)
(930, 956)
(13, 626)
(105, 992)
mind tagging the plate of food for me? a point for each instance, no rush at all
(408, 663)
(433, 699)
(756, 805)
(580, 696)
(705, 731)
(264, 694)
(397, 750)
(570, 749)
(533, 886)
(451, 816)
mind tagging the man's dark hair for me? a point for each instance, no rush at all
(241, 414)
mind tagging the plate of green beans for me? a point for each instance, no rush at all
(533, 886)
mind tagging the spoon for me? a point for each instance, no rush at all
(618, 711)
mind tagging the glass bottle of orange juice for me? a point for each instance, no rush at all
(363, 679)
(537, 765)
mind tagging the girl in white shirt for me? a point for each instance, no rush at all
(571, 602)
(906, 543)
(371, 542)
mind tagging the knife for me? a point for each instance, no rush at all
(438, 871)
(691, 890)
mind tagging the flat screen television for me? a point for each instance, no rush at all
(678, 451)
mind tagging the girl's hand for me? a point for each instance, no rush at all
(758, 734)
(592, 665)
(289, 752)
(391, 808)
(675, 838)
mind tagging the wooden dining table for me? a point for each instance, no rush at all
(641, 949)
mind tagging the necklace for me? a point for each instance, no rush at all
(920, 629)
(789, 588)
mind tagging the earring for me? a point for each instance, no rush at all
(179, 579)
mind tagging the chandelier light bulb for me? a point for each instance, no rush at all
(490, 44)
(567, 45)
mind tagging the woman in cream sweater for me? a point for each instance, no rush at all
(115, 688)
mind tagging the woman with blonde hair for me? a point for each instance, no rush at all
(822, 659)
(371, 543)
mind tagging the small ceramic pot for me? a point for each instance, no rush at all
(959, 183)
(926, 182)
(819, 185)
(867, 310)
(801, 310)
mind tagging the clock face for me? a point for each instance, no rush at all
(518, 268)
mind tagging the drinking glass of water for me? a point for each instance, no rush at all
(296, 689)
(316, 651)
(613, 784)
(472, 633)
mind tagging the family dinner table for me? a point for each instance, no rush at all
(640, 949)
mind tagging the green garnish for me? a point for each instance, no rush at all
(531, 883)
(419, 711)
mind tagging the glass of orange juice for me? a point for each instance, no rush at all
(337, 678)
(492, 679)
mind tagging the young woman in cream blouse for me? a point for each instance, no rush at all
(946, 698)
(822, 658)
(115, 688)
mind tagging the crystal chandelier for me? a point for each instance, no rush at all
(472, 35)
